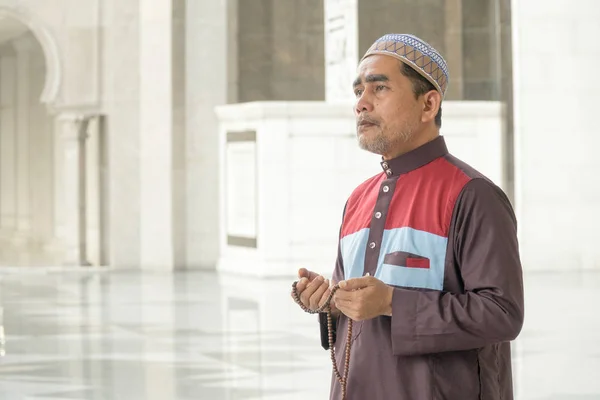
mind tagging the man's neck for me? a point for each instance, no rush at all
(418, 141)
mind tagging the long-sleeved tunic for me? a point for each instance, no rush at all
(445, 237)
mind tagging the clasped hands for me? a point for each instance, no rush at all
(357, 298)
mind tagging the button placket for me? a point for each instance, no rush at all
(378, 217)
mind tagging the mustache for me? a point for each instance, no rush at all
(365, 119)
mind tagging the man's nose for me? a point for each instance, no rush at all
(363, 104)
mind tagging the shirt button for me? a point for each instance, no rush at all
(389, 171)
(385, 166)
(377, 215)
(372, 245)
(386, 189)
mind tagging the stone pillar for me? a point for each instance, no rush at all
(341, 48)
(179, 136)
(23, 47)
(41, 139)
(93, 192)
(156, 134)
(120, 91)
(8, 139)
(206, 88)
(72, 132)
(454, 48)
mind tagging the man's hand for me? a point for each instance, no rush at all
(313, 289)
(364, 298)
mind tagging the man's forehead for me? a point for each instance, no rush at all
(381, 66)
(377, 64)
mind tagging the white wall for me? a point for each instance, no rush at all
(304, 164)
(556, 53)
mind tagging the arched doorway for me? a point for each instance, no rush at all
(27, 147)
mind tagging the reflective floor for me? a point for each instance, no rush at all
(71, 334)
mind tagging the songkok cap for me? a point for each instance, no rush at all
(417, 54)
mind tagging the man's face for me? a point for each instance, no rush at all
(387, 113)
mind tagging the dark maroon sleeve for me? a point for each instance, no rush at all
(338, 271)
(483, 240)
(338, 275)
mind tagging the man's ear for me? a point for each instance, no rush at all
(431, 104)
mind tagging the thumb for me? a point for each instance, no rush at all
(354, 283)
(304, 273)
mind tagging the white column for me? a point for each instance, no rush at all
(178, 135)
(41, 139)
(93, 193)
(341, 48)
(120, 91)
(58, 181)
(7, 143)
(156, 131)
(206, 88)
(71, 129)
(23, 47)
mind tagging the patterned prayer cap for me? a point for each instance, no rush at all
(417, 54)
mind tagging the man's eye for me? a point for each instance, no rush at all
(358, 92)
(380, 87)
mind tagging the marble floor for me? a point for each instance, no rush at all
(100, 334)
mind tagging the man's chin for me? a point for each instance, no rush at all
(370, 146)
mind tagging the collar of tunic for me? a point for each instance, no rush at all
(416, 158)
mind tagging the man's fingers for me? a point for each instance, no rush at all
(356, 283)
(342, 303)
(325, 295)
(342, 295)
(311, 288)
(345, 307)
(315, 299)
(351, 309)
(346, 301)
(315, 284)
(301, 285)
(304, 273)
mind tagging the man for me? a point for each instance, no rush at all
(428, 260)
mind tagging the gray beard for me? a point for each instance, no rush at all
(380, 144)
(377, 146)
